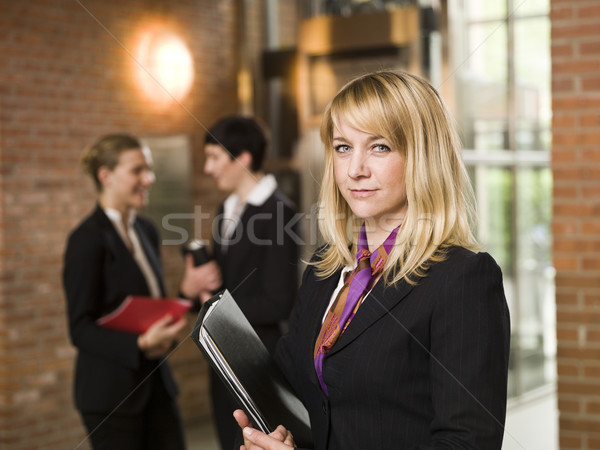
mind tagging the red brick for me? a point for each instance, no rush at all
(592, 407)
(566, 263)
(589, 48)
(581, 423)
(561, 12)
(564, 190)
(577, 317)
(569, 406)
(591, 299)
(576, 67)
(562, 121)
(590, 120)
(592, 226)
(573, 30)
(588, 11)
(563, 85)
(590, 83)
(590, 191)
(562, 49)
(570, 441)
(573, 103)
(567, 173)
(571, 244)
(567, 370)
(593, 336)
(579, 208)
(570, 334)
(577, 388)
(566, 299)
(566, 139)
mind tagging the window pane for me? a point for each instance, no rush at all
(493, 189)
(532, 74)
(513, 199)
(528, 7)
(482, 10)
(487, 52)
(482, 91)
(535, 328)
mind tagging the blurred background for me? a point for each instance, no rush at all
(521, 77)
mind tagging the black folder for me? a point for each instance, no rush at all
(237, 354)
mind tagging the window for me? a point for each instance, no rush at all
(502, 58)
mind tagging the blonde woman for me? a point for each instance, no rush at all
(124, 389)
(400, 335)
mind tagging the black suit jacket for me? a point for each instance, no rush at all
(260, 266)
(419, 367)
(99, 272)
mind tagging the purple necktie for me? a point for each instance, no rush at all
(356, 286)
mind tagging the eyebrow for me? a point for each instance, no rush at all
(370, 139)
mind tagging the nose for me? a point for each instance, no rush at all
(358, 165)
(208, 167)
(149, 177)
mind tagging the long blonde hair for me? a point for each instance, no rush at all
(408, 112)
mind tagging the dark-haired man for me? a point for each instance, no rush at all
(255, 242)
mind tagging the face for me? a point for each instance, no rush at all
(227, 172)
(369, 175)
(128, 184)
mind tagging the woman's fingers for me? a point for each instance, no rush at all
(266, 442)
(241, 418)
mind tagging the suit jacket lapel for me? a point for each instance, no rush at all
(320, 296)
(150, 255)
(378, 303)
(232, 257)
(118, 247)
(113, 240)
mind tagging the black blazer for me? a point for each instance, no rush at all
(419, 367)
(99, 272)
(260, 267)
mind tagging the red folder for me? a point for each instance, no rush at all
(136, 314)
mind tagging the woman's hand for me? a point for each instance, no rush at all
(280, 439)
(200, 281)
(161, 335)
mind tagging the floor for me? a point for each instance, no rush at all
(531, 424)
(202, 437)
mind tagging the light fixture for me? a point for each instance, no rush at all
(165, 69)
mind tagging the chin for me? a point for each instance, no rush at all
(361, 212)
(139, 205)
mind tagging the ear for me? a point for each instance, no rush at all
(103, 175)
(245, 158)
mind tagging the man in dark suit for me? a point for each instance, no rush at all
(255, 241)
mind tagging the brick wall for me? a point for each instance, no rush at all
(65, 79)
(576, 222)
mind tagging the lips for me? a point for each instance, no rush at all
(362, 193)
(143, 193)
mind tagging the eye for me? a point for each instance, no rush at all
(381, 148)
(341, 148)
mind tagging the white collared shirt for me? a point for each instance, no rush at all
(130, 238)
(346, 270)
(233, 208)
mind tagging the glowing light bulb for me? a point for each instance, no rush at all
(165, 67)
